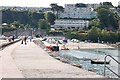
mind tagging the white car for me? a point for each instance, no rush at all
(75, 40)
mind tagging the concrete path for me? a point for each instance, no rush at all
(34, 62)
(8, 68)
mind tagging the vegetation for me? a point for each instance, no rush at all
(80, 5)
(106, 19)
(107, 4)
(55, 33)
(56, 9)
(43, 24)
(7, 29)
(104, 27)
(22, 17)
(95, 34)
(28, 19)
(94, 22)
(50, 17)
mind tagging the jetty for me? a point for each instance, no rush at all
(31, 61)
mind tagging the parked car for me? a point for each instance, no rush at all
(75, 40)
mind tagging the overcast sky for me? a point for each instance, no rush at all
(46, 3)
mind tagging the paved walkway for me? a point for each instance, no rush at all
(34, 62)
(8, 67)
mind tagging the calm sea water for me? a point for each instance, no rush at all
(77, 56)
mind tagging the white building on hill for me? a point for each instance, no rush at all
(70, 24)
(119, 3)
(71, 11)
(94, 6)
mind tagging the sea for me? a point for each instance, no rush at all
(84, 57)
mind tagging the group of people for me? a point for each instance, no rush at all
(24, 40)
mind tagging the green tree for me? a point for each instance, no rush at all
(56, 9)
(103, 15)
(118, 36)
(94, 34)
(109, 4)
(50, 17)
(113, 37)
(24, 17)
(94, 22)
(43, 24)
(107, 18)
(80, 5)
(104, 35)
(35, 18)
(16, 24)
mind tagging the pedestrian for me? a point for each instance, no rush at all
(30, 38)
(22, 40)
(25, 40)
(13, 37)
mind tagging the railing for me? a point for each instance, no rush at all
(108, 67)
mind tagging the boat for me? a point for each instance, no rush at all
(64, 49)
(99, 62)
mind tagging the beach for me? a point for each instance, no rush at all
(80, 45)
(83, 45)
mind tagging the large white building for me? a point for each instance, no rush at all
(71, 11)
(119, 3)
(94, 6)
(70, 24)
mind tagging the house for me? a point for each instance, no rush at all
(70, 24)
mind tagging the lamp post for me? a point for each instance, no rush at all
(98, 45)
(31, 31)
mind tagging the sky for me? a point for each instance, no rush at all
(46, 3)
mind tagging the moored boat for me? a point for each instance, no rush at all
(99, 62)
(64, 49)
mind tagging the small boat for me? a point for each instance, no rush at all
(64, 49)
(99, 62)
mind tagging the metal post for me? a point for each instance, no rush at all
(104, 65)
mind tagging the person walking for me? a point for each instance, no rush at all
(30, 38)
(13, 37)
(25, 40)
(22, 40)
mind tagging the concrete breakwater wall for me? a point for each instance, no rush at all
(7, 44)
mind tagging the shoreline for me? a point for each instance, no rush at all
(83, 45)
(80, 45)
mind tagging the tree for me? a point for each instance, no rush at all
(107, 18)
(104, 35)
(103, 15)
(28, 26)
(56, 9)
(108, 4)
(94, 22)
(80, 5)
(43, 24)
(24, 17)
(35, 18)
(50, 17)
(94, 33)
(16, 24)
